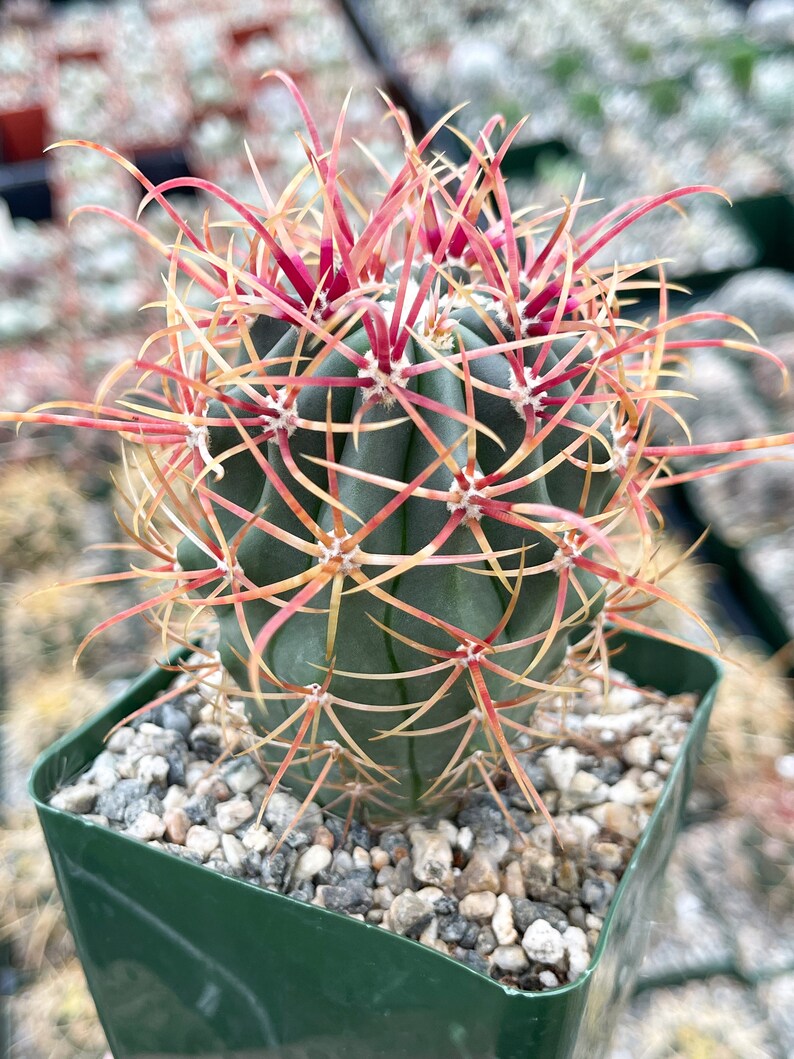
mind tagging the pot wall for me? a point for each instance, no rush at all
(182, 961)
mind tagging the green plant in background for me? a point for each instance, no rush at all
(393, 458)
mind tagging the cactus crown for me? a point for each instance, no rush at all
(395, 459)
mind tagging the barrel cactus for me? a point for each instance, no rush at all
(393, 460)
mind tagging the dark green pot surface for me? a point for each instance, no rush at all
(184, 962)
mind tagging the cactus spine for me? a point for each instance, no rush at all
(396, 454)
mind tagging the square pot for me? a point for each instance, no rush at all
(182, 961)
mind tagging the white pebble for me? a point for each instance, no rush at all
(511, 958)
(243, 776)
(548, 979)
(430, 894)
(146, 826)
(194, 770)
(233, 814)
(77, 799)
(379, 858)
(361, 858)
(616, 817)
(313, 860)
(502, 922)
(177, 825)
(120, 740)
(465, 841)
(104, 777)
(625, 792)
(175, 797)
(639, 751)
(544, 944)
(513, 884)
(670, 752)
(233, 850)
(449, 831)
(382, 897)
(575, 941)
(479, 906)
(259, 839)
(202, 840)
(432, 858)
(153, 768)
(561, 765)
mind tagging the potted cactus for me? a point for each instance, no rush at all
(395, 462)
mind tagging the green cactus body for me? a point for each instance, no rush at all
(374, 636)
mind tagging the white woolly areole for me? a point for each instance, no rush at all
(283, 418)
(198, 440)
(468, 501)
(320, 306)
(565, 559)
(222, 567)
(524, 394)
(506, 318)
(438, 332)
(350, 560)
(316, 696)
(470, 653)
(378, 389)
(622, 448)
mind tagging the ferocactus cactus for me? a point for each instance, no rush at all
(392, 458)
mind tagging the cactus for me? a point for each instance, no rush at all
(394, 459)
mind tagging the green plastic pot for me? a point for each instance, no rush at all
(184, 962)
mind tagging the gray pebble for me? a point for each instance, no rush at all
(148, 804)
(484, 818)
(205, 741)
(597, 894)
(283, 808)
(360, 835)
(609, 770)
(275, 868)
(486, 942)
(176, 719)
(480, 874)
(409, 914)
(176, 768)
(113, 803)
(199, 808)
(470, 935)
(452, 927)
(349, 897)
(472, 959)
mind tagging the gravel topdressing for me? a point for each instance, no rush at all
(495, 892)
